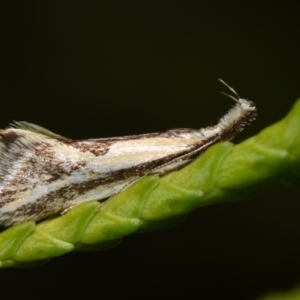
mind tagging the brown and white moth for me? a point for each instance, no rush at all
(42, 173)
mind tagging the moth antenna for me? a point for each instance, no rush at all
(230, 96)
(236, 98)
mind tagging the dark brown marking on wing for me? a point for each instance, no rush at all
(9, 136)
(98, 149)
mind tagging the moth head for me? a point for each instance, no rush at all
(243, 113)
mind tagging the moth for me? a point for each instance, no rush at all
(43, 173)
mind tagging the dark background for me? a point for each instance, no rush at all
(110, 68)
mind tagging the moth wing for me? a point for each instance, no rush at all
(37, 129)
